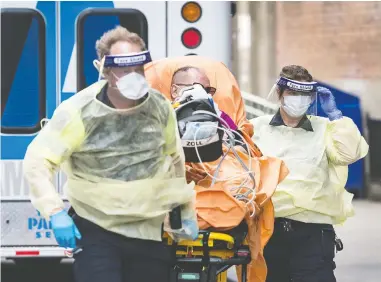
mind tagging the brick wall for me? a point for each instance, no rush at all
(335, 40)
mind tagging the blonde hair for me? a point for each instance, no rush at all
(119, 33)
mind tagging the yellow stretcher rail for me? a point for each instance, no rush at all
(198, 242)
(220, 245)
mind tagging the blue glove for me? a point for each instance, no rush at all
(64, 229)
(191, 228)
(328, 103)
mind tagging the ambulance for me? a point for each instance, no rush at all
(47, 50)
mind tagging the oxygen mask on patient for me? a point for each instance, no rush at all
(190, 93)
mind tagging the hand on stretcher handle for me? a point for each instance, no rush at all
(175, 218)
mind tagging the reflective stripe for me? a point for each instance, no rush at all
(12, 252)
(27, 253)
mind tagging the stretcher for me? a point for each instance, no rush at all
(208, 258)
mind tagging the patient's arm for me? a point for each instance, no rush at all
(194, 174)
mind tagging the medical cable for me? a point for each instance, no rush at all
(225, 130)
(248, 173)
(218, 167)
(200, 159)
(228, 131)
(245, 196)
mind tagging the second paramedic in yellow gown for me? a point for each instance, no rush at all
(312, 198)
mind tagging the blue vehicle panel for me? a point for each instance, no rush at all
(21, 109)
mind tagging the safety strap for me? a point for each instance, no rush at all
(205, 248)
(338, 244)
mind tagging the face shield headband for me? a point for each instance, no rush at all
(127, 60)
(297, 86)
(123, 60)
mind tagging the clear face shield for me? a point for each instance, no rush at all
(298, 98)
(125, 72)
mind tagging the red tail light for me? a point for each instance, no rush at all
(191, 38)
(27, 253)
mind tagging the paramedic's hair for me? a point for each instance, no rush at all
(185, 69)
(294, 72)
(109, 38)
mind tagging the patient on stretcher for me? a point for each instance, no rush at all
(217, 154)
(234, 182)
(219, 159)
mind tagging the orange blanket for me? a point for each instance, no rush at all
(217, 208)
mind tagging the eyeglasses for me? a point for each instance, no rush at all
(209, 89)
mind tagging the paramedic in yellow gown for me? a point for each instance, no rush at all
(312, 198)
(117, 142)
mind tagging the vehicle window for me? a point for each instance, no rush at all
(22, 70)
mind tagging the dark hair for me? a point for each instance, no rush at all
(295, 72)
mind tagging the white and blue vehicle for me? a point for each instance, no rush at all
(47, 49)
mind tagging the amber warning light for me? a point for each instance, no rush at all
(191, 12)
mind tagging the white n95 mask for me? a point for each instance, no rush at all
(133, 86)
(296, 106)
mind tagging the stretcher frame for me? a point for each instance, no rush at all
(213, 262)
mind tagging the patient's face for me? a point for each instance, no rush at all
(187, 78)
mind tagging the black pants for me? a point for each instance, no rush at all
(300, 252)
(110, 257)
